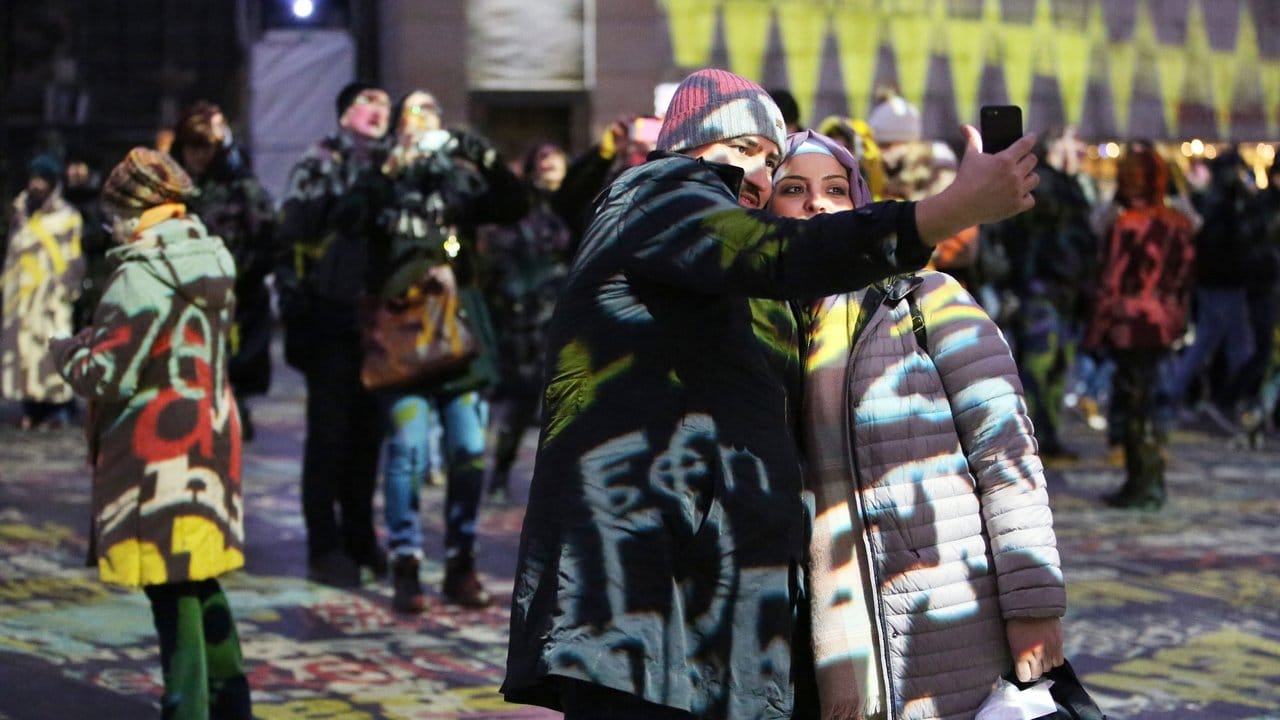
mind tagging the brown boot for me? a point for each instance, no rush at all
(408, 596)
(462, 586)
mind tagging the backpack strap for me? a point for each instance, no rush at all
(904, 288)
(917, 323)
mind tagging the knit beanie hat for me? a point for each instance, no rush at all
(144, 179)
(895, 120)
(45, 167)
(349, 93)
(714, 105)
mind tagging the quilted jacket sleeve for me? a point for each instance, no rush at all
(981, 382)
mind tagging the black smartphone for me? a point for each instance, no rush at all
(1001, 126)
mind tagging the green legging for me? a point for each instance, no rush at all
(199, 653)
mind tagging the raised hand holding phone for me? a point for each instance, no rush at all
(989, 187)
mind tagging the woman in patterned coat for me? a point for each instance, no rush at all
(934, 568)
(43, 267)
(164, 432)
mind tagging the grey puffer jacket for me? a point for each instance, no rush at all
(933, 525)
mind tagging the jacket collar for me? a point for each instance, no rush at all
(729, 174)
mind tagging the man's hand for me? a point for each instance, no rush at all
(1036, 646)
(987, 189)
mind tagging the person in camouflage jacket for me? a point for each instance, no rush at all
(43, 265)
(164, 434)
(321, 263)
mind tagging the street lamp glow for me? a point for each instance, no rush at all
(302, 9)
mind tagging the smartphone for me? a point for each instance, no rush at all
(645, 129)
(1000, 125)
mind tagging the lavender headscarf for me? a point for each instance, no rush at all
(806, 141)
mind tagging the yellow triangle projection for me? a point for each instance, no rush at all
(1044, 54)
(1171, 61)
(1121, 76)
(965, 44)
(1017, 49)
(746, 37)
(1271, 95)
(692, 26)
(1248, 81)
(1145, 58)
(909, 37)
(803, 27)
(1222, 72)
(1074, 45)
(1196, 87)
(858, 33)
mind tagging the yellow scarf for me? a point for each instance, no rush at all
(158, 214)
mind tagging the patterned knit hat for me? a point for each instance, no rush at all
(713, 105)
(144, 179)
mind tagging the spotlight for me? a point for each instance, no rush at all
(311, 14)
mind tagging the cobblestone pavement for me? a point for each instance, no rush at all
(1172, 614)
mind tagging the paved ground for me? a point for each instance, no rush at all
(1173, 615)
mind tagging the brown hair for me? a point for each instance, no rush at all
(196, 127)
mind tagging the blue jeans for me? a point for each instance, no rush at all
(1222, 322)
(465, 418)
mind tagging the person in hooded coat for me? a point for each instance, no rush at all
(43, 267)
(164, 435)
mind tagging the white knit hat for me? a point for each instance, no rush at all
(895, 120)
(714, 105)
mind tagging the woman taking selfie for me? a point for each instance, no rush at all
(934, 569)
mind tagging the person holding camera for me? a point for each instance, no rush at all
(437, 186)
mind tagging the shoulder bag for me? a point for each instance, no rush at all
(419, 338)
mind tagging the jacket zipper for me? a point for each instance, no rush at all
(852, 460)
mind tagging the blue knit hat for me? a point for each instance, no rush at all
(46, 167)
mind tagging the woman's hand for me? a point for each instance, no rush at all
(1036, 646)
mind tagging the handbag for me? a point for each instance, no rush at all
(1055, 695)
(421, 337)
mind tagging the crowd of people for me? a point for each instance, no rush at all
(766, 363)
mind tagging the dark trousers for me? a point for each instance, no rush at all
(519, 413)
(200, 655)
(39, 411)
(340, 455)
(1045, 352)
(1134, 394)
